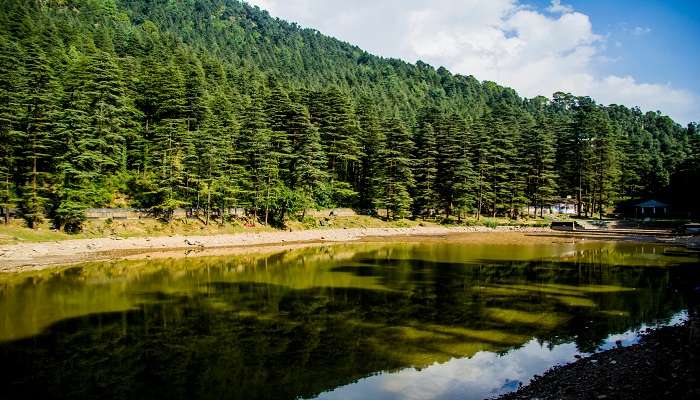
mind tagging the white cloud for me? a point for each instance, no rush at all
(639, 31)
(679, 103)
(557, 8)
(500, 40)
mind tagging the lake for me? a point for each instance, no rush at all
(417, 318)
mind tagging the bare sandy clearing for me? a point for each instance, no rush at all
(33, 256)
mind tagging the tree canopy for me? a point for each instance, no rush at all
(214, 104)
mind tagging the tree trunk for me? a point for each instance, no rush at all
(223, 212)
(267, 204)
(535, 205)
(34, 192)
(208, 206)
(7, 198)
(479, 202)
(578, 194)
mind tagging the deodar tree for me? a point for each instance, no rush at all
(210, 105)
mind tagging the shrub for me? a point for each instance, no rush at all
(70, 215)
(490, 223)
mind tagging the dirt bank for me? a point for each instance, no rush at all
(32, 256)
(664, 365)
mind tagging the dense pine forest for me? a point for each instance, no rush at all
(210, 105)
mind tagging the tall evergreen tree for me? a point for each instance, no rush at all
(372, 165)
(97, 116)
(603, 166)
(172, 141)
(12, 93)
(398, 178)
(574, 153)
(308, 166)
(451, 142)
(262, 160)
(635, 159)
(426, 195)
(232, 179)
(465, 184)
(540, 158)
(501, 153)
(38, 133)
(332, 112)
(212, 104)
(481, 149)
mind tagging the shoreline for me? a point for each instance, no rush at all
(664, 364)
(40, 255)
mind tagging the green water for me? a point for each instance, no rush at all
(336, 321)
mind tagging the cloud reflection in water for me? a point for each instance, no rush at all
(484, 375)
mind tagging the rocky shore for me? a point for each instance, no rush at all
(665, 364)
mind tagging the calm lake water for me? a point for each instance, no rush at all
(421, 319)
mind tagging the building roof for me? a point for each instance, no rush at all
(651, 204)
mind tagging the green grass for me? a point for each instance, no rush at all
(490, 223)
(358, 221)
(16, 232)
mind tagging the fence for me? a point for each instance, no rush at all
(332, 212)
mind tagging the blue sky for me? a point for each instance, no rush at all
(636, 53)
(665, 48)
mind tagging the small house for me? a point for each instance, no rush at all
(651, 209)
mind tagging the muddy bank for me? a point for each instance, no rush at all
(664, 365)
(33, 256)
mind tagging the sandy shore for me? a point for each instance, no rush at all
(33, 256)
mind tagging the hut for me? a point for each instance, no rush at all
(651, 208)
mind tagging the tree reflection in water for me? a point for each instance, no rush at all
(300, 323)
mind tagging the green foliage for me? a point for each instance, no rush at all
(539, 152)
(373, 142)
(426, 196)
(491, 223)
(70, 215)
(397, 175)
(213, 105)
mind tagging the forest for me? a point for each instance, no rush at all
(210, 105)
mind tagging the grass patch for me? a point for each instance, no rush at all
(354, 222)
(491, 223)
(16, 232)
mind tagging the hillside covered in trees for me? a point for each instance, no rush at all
(213, 104)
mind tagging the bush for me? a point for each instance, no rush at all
(402, 223)
(309, 222)
(70, 215)
(469, 222)
(490, 223)
(449, 221)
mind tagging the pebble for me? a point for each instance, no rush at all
(663, 365)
